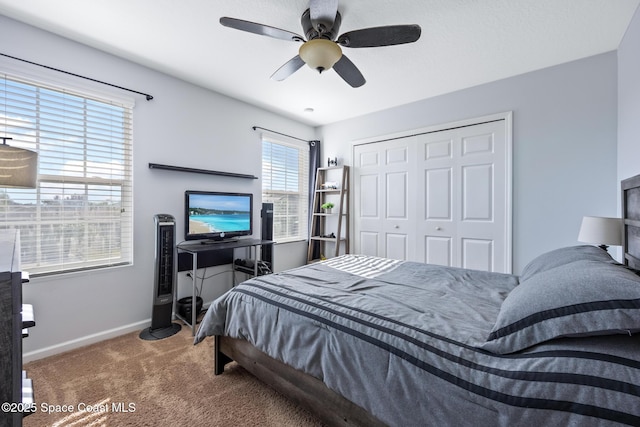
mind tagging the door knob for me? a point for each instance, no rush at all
(438, 228)
(396, 226)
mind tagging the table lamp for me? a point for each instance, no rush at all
(602, 231)
(18, 166)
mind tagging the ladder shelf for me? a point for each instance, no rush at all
(332, 185)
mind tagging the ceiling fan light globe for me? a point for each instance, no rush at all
(320, 54)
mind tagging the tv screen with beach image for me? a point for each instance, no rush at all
(218, 213)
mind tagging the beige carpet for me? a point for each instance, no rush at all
(127, 381)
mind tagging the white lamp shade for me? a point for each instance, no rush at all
(320, 54)
(601, 230)
(18, 167)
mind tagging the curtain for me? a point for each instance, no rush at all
(314, 164)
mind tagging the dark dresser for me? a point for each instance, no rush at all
(11, 333)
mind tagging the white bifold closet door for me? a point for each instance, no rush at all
(440, 197)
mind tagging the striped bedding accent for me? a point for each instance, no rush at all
(405, 345)
(363, 266)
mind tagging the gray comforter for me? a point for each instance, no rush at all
(403, 340)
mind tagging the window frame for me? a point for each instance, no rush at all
(89, 94)
(302, 218)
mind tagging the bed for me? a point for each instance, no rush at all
(361, 340)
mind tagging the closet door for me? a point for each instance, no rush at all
(384, 210)
(463, 194)
(440, 197)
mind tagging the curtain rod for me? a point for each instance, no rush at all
(149, 97)
(312, 142)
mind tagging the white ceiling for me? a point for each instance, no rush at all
(464, 43)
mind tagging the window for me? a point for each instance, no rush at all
(285, 178)
(80, 215)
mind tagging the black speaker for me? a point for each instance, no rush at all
(266, 213)
(164, 280)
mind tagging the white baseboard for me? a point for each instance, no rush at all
(84, 341)
(90, 339)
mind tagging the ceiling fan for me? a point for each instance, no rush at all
(321, 48)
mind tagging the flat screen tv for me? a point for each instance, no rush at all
(217, 215)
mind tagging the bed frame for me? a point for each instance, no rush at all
(303, 389)
(333, 409)
(631, 221)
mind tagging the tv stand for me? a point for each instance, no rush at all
(209, 246)
(217, 242)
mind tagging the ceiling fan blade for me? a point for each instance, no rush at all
(380, 36)
(349, 72)
(263, 30)
(288, 68)
(323, 13)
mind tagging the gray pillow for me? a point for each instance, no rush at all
(582, 298)
(564, 256)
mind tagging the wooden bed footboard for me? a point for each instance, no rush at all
(303, 389)
(631, 221)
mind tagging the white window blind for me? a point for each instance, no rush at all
(80, 215)
(285, 183)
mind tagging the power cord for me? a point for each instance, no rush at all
(205, 277)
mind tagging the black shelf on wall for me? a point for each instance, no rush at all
(203, 171)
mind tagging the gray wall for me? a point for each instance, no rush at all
(564, 144)
(565, 153)
(183, 125)
(629, 101)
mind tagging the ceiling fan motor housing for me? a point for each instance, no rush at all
(324, 30)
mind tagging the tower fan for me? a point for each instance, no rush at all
(164, 280)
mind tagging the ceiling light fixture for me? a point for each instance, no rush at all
(18, 167)
(320, 54)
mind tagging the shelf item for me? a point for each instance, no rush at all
(28, 319)
(330, 227)
(203, 171)
(252, 267)
(27, 392)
